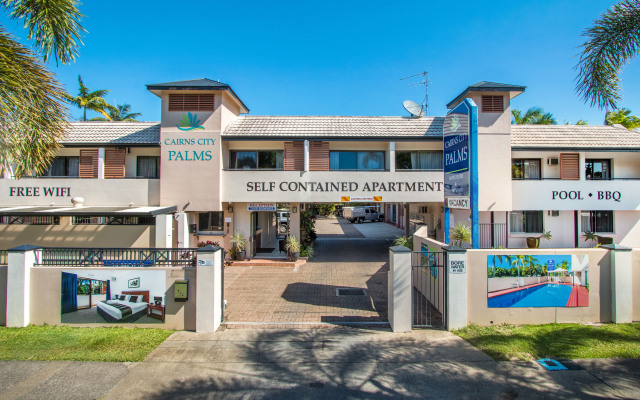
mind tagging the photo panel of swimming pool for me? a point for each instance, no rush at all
(537, 280)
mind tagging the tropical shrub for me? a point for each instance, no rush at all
(406, 241)
(460, 233)
(306, 250)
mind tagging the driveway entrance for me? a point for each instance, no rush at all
(345, 282)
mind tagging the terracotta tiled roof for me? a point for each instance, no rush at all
(573, 136)
(334, 127)
(113, 133)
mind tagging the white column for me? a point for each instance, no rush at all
(21, 260)
(101, 163)
(582, 166)
(183, 230)
(621, 283)
(164, 231)
(456, 287)
(306, 155)
(392, 156)
(209, 295)
(399, 296)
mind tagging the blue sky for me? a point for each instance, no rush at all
(337, 57)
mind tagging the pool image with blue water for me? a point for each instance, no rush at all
(537, 280)
(546, 295)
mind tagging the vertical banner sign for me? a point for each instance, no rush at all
(460, 138)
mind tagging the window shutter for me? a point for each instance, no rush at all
(114, 163)
(318, 156)
(569, 166)
(293, 156)
(88, 164)
(191, 102)
(492, 104)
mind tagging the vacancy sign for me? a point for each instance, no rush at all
(458, 202)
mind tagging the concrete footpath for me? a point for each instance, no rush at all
(315, 364)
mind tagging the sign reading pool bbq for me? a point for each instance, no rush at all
(537, 281)
(457, 154)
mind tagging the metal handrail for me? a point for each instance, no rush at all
(115, 257)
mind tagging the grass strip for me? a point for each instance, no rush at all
(54, 343)
(532, 342)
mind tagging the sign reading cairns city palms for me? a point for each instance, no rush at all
(189, 123)
(456, 132)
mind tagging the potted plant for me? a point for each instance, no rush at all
(534, 242)
(460, 233)
(597, 238)
(239, 242)
(293, 248)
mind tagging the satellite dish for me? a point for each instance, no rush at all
(414, 108)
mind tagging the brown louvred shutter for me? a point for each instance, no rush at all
(191, 102)
(570, 166)
(114, 163)
(492, 104)
(293, 156)
(88, 164)
(319, 156)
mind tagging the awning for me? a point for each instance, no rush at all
(86, 210)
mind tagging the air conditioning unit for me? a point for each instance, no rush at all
(553, 161)
(554, 213)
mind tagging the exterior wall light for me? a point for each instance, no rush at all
(294, 209)
(230, 209)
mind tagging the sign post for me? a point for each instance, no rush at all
(460, 142)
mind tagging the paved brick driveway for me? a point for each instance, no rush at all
(281, 296)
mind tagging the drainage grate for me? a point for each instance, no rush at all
(350, 292)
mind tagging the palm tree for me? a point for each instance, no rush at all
(623, 117)
(32, 113)
(611, 41)
(534, 115)
(121, 112)
(89, 100)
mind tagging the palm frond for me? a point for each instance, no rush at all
(53, 25)
(32, 116)
(613, 39)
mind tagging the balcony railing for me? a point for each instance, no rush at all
(112, 257)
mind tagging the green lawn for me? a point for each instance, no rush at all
(527, 342)
(78, 344)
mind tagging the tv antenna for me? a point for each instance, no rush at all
(425, 82)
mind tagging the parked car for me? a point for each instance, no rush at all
(282, 219)
(362, 214)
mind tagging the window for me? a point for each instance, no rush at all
(148, 167)
(191, 102)
(492, 104)
(211, 221)
(257, 159)
(526, 222)
(597, 169)
(420, 160)
(525, 169)
(356, 160)
(597, 221)
(63, 166)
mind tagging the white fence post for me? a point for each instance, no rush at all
(456, 290)
(621, 283)
(399, 298)
(21, 259)
(209, 285)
